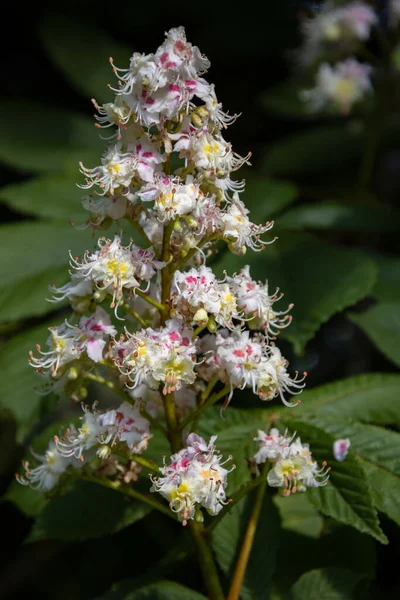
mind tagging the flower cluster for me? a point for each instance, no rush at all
(294, 469)
(187, 333)
(101, 430)
(194, 478)
(338, 31)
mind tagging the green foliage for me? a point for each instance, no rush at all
(328, 279)
(235, 429)
(367, 398)
(227, 538)
(338, 216)
(299, 515)
(381, 323)
(162, 590)
(348, 497)
(39, 138)
(265, 197)
(50, 197)
(86, 511)
(314, 151)
(19, 379)
(325, 584)
(81, 51)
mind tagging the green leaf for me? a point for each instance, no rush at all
(299, 515)
(18, 378)
(82, 50)
(235, 429)
(265, 197)
(52, 197)
(377, 448)
(36, 137)
(339, 217)
(315, 151)
(227, 539)
(328, 279)
(381, 323)
(87, 511)
(347, 497)
(162, 590)
(387, 287)
(27, 298)
(325, 584)
(367, 398)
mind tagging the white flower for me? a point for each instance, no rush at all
(45, 476)
(102, 207)
(114, 267)
(64, 348)
(158, 356)
(158, 86)
(238, 230)
(171, 196)
(341, 86)
(343, 25)
(78, 291)
(126, 424)
(341, 449)
(274, 380)
(94, 329)
(75, 442)
(253, 299)
(195, 477)
(273, 445)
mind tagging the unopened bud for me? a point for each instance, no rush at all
(104, 452)
(82, 393)
(73, 373)
(191, 222)
(211, 325)
(201, 316)
(196, 120)
(178, 227)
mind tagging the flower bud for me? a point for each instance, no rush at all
(73, 373)
(200, 317)
(104, 452)
(211, 325)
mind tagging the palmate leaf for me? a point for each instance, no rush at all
(86, 511)
(378, 450)
(348, 496)
(368, 398)
(328, 279)
(35, 137)
(227, 539)
(325, 584)
(387, 287)
(381, 323)
(82, 50)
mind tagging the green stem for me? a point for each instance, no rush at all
(206, 561)
(199, 411)
(134, 314)
(249, 536)
(140, 229)
(154, 303)
(173, 430)
(109, 385)
(128, 491)
(236, 497)
(199, 329)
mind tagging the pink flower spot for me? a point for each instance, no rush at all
(164, 57)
